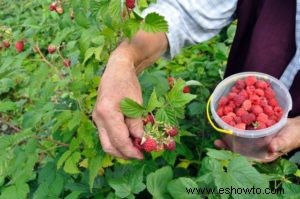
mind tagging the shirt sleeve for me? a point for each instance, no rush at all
(192, 21)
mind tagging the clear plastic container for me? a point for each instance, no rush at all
(251, 143)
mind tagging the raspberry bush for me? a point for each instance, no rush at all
(52, 55)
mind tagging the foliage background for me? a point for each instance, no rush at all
(48, 142)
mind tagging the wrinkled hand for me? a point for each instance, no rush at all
(118, 81)
(285, 141)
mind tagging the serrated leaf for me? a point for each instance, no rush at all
(155, 23)
(95, 164)
(63, 158)
(166, 115)
(153, 102)
(131, 26)
(115, 9)
(220, 154)
(290, 191)
(157, 181)
(177, 98)
(131, 108)
(178, 188)
(19, 190)
(71, 163)
(7, 106)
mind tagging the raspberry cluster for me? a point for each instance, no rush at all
(251, 104)
(158, 136)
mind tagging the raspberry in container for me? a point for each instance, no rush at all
(250, 108)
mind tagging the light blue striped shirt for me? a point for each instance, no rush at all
(194, 21)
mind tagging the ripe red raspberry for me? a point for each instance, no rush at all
(227, 109)
(231, 104)
(51, 49)
(137, 143)
(269, 93)
(223, 101)
(278, 112)
(237, 119)
(239, 112)
(130, 4)
(248, 118)
(239, 99)
(19, 46)
(220, 111)
(247, 105)
(186, 89)
(259, 92)
(254, 99)
(270, 122)
(227, 119)
(231, 95)
(260, 125)
(170, 145)
(6, 44)
(149, 145)
(240, 84)
(234, 89)
(268, 110)
(256, 109)
(240, 126)
(171, 131)
(53, 6)
(149, 119)
(273, 102)
(262, 117)
(261, 84)
(250, 80)
(250, 90)
(263, 101)
(244, 93)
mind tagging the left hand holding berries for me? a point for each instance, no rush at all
(285, 141)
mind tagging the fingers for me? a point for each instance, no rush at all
(220, 144)
(114, 134)
(106, 144)
(135, 126)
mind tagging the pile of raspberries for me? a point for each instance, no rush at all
(251, 104)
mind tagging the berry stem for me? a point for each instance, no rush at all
(36, 47)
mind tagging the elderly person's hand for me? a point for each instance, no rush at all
(285, 141)
(119, 80)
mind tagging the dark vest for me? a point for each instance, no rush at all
(265, 41)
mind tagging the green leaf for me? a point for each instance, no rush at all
(6, 106)
(220, 154)
(121, 187)
(63, 158)
(155, 23)
(115, 9)
(166, 115)
(94, 165)
(177, 98)
(131, 108)
(157, 182)
(290, 191)
(287, 167)
(71, 163)
(19, 190)
(240, 174)
(153, 102)
(131, 27)
(178, 188)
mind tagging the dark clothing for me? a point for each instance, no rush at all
(265, 41)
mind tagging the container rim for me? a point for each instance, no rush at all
(251, 133)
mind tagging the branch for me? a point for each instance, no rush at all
(10, 125)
